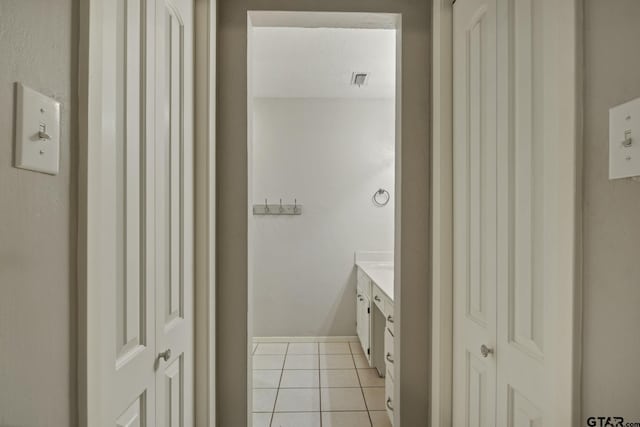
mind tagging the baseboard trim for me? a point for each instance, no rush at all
(346, 338)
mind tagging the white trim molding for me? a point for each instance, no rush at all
(442, 214)
(206, 17)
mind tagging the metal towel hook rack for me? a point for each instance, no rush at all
(277, 209)
(381, 197)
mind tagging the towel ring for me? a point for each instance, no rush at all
(381, 197)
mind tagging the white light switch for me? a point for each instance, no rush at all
(624, 140)
(37, 131)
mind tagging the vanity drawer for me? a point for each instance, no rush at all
(379, 299)
(363, 284)
(389, 357)
(388, 395)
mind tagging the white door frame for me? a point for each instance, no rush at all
(89, 122)
(565, 35)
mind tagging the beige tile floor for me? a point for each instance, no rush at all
(316, 385)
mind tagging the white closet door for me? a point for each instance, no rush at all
(174, 213)
(121, 220)
(506, 226)
(522, 220)
(475, 216)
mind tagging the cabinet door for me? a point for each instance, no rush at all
(363, 318)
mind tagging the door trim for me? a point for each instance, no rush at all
(89, 122)
(205, 40)
(566, 19)
(442, 215)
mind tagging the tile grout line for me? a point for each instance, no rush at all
(361, 389)
(284, 360)
(319, 383)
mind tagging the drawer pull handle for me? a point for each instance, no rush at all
(390, 318)
(377, 298)
(389, 406)
(388, 357)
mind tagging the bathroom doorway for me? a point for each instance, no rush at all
(235, 274)
(322, 143)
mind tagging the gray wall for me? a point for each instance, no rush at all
(37, 226)
(611, 372)
(331, 154)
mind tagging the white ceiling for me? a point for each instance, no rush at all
(319, 62)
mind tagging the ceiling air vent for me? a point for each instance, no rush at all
(359, 79)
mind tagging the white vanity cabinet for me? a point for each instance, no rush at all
(375, 322)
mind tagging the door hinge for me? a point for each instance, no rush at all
(368, 310)
(368, 351)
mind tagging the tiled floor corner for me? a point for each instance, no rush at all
(310, 384)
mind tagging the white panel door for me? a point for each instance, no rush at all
(174, 213)
(140, 216)
(522, 220)
(475, 216)
(121, 220)
(502, 198)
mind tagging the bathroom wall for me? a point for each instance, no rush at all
(611, 341)
(332, 155)
(38, 47)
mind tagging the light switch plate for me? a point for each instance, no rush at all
(37, 131)
(624, 140)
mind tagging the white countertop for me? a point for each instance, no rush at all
(381, 273)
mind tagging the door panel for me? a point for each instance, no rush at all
(127, 222)
(521, 412)
(174, 396)
(133, 416)
(130, 209)
(478, 393)
(521, 284)
(174, 212)
(525, 195)
(475, 204)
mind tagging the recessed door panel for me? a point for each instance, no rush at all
(130, 139)
(522, 412)
(475, 141)
(174, 396)
(171, 166)
(134, 415)
(478, 393)
(526, 288)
